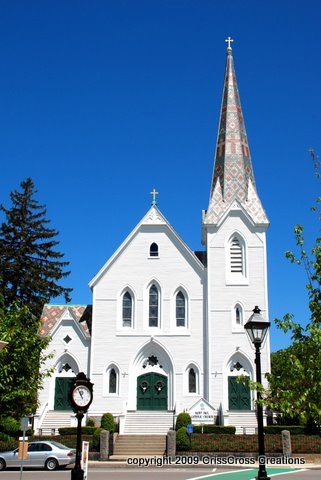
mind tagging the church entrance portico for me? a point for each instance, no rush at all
(151, 379)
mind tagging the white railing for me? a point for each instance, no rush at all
(38, 419)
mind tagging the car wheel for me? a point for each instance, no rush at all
(51, 464)
(2, 464)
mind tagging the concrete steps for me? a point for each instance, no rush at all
(55, 419)
(148, 422)
(245, 422)
(139, 445)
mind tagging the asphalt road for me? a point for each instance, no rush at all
(153, 474)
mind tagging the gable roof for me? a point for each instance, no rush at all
(152, 217)
(51, 315)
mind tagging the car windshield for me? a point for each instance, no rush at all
(60, 445)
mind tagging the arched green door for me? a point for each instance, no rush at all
(152, 392)
(62, 387)
(239, 395)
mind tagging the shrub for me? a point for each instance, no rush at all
(4, 437)
(6, 446)
(10, 425)
(277, 429)
(90, 422)
(96, 439)
(73, 430)
(182, 439)
(108, 422)
(216, 429)
(183, 419)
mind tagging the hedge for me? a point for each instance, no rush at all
(203, 443)
(73, 430)
(293, 429)
(217, 429)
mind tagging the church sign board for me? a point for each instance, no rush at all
(202, 412)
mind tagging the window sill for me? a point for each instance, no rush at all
(238, 330)
(152, 333)
(153, 258)
(236, 281)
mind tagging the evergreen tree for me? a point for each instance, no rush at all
(30, 265)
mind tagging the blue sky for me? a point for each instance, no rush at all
(100, 101)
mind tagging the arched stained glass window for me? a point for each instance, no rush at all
(238, 315)
(112, 381)
(236, 256)
(192, 381)
(153, 251)
(153, 306)
(127, 309)
(180, 310)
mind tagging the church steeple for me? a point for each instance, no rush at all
(233, 178)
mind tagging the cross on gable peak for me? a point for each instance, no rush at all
(154, 193)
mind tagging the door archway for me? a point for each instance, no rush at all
(66, 370)
(151, 379)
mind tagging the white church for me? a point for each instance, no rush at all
(165, 331)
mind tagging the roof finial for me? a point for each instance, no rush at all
(229, 40)
(154, 193)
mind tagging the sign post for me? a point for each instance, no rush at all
(23, 443)
(189, 433)
(85, 458)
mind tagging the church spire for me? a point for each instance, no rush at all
(233, 177)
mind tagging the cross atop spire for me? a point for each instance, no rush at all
(154, 193)
(229, 40)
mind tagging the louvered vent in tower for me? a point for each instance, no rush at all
(236, 256)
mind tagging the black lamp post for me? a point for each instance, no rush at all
(256, 327)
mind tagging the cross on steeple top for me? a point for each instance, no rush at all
(154, 193)
(229, 40)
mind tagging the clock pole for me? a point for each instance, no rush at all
(80, 396)
(77, 472)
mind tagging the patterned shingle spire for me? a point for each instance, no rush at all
(233, 177)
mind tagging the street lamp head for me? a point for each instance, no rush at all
(257, 327)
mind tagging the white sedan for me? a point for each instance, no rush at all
(45, 454)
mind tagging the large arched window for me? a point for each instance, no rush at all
(191, 381)
(180, 310)
(153, 251)
(236, 256)
(112, 380)
(153, 313)
(238, 315)
(127, 310)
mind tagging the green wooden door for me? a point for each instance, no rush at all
(239, 395)
(152, 392)
(62, 388)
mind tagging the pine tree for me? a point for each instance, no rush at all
(30, 265)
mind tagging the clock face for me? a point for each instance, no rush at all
(81, 396)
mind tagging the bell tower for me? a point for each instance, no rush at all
(233, 232)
